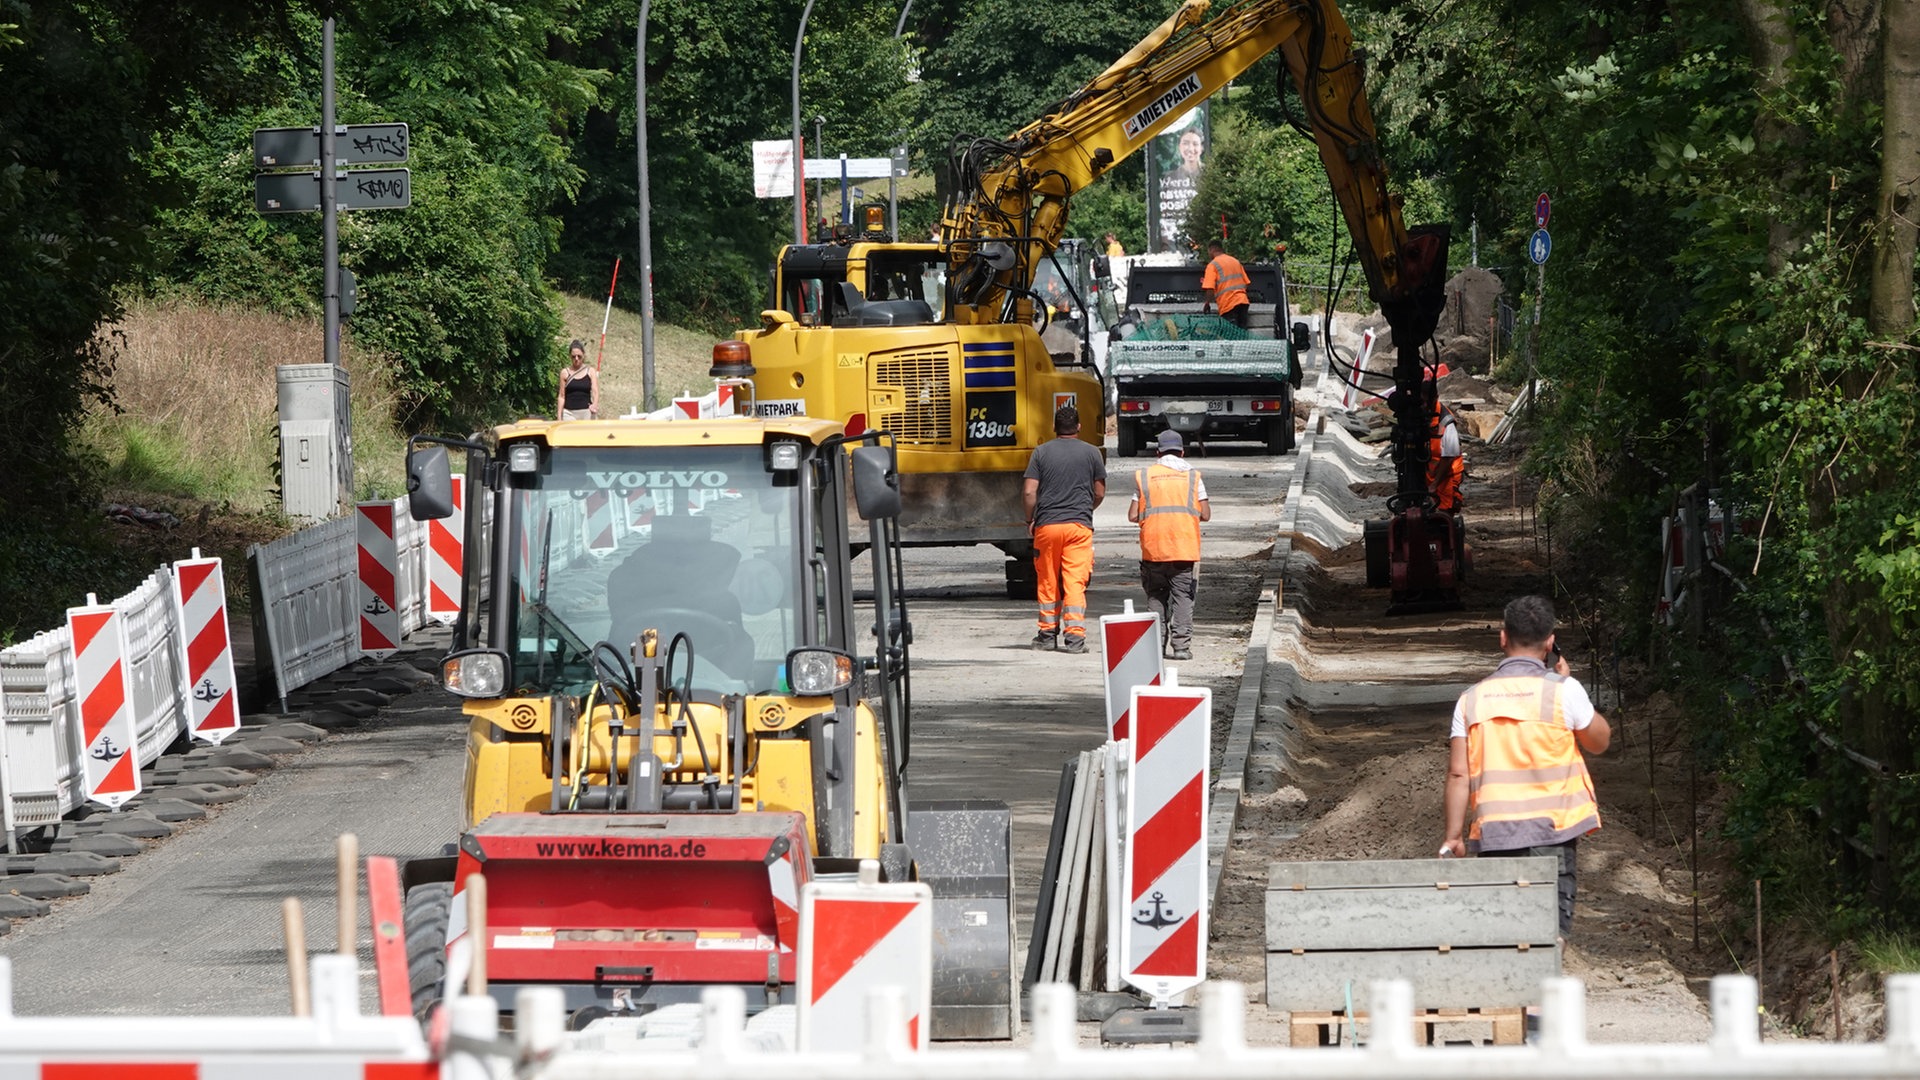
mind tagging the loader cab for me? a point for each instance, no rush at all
(862, 284)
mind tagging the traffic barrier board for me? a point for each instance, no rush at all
(445, 549)
(856, 938)
(600, 537)
(1131, 645)
(1163, 938)
(379, 602)
(200, 598)
(102, 686)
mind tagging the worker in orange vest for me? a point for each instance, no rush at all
(1446, 468)
(1225, 284)
(1169, 503)
(1516, 783)
(1066, 480)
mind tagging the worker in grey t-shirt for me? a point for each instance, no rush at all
(1066, 478)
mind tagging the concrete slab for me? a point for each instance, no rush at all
(169, 809)
(70, 863)
(222, 757)
(204, 794)
(107, 844)
(22, 907)
(202, 774)
(43, 886)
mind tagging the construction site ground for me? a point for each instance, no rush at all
(1347, 761)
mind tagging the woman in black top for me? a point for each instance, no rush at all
(579, 387)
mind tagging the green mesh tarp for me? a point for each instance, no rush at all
(1188, 328)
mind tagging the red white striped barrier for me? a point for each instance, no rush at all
(1163, 935)
(599, 537)
(639, 503)
(105, 692)
(379, 602)
(1359, 368)
(786, 876)
(446, 544)
(857, 938)
(1131, 645)
(386, 909)
(200, 597)
(712, 405)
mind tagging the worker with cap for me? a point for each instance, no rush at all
(1066, 479)
(1169, 503)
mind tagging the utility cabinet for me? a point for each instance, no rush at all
(316, 440)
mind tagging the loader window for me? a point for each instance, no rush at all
(693, 540)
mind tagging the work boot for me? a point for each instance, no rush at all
(1179, 652)
(1044, 641)
(1074, 643)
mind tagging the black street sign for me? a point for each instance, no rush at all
(286, 193)
(361, 189)
(353, 144)
(374, 189)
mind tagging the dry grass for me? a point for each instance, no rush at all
(197, 397)
(680, 356)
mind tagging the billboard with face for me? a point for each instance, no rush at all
(1176, 158)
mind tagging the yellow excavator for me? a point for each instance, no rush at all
(936, 343)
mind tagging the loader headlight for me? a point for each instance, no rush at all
(819, 672)
(476, 673)
(523, 457)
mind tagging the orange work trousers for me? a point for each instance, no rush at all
(1063, 563)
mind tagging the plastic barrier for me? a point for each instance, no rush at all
(724, 1051)
(336, 1041)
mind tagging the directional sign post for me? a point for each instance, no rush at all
(354, 144)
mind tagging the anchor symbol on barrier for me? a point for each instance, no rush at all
(205, 691)
(377, 607)
(106, 752)
(1162, 916)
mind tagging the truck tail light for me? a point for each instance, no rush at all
(1266, 404)
(1135, 407)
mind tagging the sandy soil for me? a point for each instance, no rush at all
(1365, 782)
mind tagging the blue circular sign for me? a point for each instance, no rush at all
(1540, 246)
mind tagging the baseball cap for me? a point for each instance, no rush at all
(1170, 440)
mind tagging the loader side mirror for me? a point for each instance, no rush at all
(429, 483)
(876, 486)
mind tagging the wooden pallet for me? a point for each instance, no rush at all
(1509, 1026)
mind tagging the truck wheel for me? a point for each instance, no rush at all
(1127, 433)
(1022, 582)
(425, 924)
(1279, 434)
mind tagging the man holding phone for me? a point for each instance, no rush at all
(1517, 784)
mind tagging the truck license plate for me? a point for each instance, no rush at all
(1218, 406)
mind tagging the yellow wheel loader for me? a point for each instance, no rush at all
(679, 714)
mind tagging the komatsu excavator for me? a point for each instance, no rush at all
(936, 344)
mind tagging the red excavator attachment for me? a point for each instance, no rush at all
(627, 910)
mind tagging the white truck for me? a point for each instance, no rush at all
(1172, 363)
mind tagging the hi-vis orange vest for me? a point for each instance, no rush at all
(1527, 783)
(1169, 513)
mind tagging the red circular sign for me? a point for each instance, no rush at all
(1542, 209)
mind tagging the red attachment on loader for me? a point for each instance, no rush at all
(639, 899)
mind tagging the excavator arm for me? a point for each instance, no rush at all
(1014, 196)
(1016, 192)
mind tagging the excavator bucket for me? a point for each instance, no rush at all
(625, 911)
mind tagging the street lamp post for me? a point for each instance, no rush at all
(799, 194)
(819, 147)
(646, 208)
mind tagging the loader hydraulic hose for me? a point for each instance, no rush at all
(685, 693)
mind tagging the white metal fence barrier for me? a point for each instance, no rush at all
(337, 1040)
(41, 743)
(304, 597)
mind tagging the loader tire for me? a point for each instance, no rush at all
(425, 924)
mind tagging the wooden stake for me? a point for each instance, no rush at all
(1760, 956)
(1833, 970)
(295, 924)
(348, 852)
(476, 889)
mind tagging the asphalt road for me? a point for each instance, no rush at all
(194, 925)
